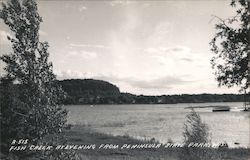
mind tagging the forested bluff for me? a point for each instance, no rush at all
(90, 91)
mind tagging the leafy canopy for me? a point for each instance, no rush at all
(29, 109)
(231, 47)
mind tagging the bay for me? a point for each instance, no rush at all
(164, 122)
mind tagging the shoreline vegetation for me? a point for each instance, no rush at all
(31, 97)
(90, 91)
(84, 135)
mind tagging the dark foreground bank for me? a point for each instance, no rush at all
(99, 146)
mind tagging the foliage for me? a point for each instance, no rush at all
(195, 131)
(30, 94)
(231, 47)
(90, 91)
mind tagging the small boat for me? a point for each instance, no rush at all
(221, 109)
(236, 143)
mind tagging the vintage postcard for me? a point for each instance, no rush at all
(125, 79)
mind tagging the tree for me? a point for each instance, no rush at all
(29, 92)
(195, 131)
(231, 47)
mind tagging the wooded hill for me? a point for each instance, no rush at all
(90, 91)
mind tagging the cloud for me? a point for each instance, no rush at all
(159, 33)
(82, 8)
(163, 28)
(186, 59)
(145, 5)
(82, 54)
(85, 51)
(89, 46)
(159, 85)
(88, 54)
(162, 50)
(170, 56)
(165, 82)
(179, 49)
(71, 74)
(152, 50)
(120, 2)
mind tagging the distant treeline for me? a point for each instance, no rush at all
(89, 91)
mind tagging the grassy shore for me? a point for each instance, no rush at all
(82, 135)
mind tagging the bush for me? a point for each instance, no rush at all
(195, 131)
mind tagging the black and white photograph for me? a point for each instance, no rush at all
(125, 79)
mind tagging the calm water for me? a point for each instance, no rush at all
(163, 122)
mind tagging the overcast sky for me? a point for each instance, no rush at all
(143, 47)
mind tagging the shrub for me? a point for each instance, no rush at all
(195, 131)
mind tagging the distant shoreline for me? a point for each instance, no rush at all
(92, 92)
